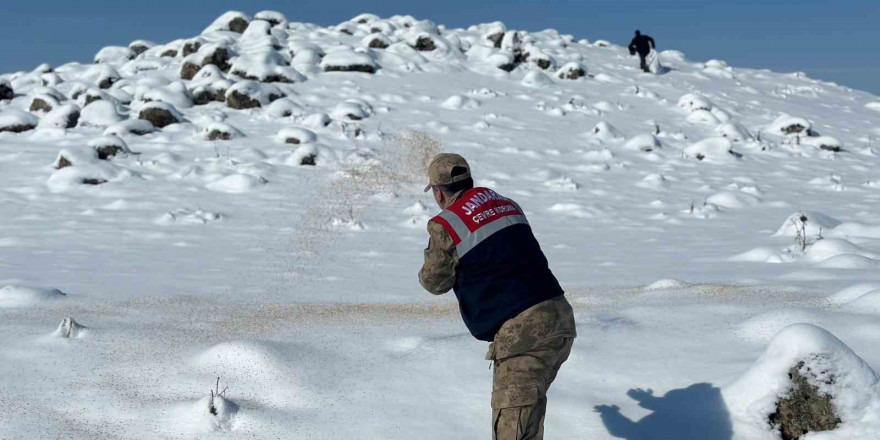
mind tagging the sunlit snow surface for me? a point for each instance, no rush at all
(296, 284)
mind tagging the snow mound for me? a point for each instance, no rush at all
(21, 296)
(715, 149)
(642, 142)
(815, 222)
(203, 416)
(137, 127)
(734, 131)
(692, 102)
(15, 120)
(834, 369)
(459, 102)
(733, 199)
(868, 302)
(537, 79)
(188, 216)
(665, 284)
(756, 255)
(70, 178)
(237, 184)
(606, 132)
(295, 135)
(260, 371)
(233, 21)
(791, 125)
(852, 293)
(850, 261)
(348, 60)
(100, 113)
(62, 116)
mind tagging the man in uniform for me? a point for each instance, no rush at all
(482, 247)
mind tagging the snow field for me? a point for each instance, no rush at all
(217, 246)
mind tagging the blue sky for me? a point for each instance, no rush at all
(832, 40)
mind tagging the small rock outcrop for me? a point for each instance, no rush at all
(424, 44)
(40, 104)
(6, 91)
(17, 121)
(572, 71)
(238, 100)
(805, 409)
(159, 114)
(69, 329)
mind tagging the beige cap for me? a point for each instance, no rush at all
(440, 171)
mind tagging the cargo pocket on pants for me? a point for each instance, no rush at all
(511, 397)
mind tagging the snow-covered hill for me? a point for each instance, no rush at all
(247, 204)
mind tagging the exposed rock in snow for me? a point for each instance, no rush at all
(827, 143)
(140, 46)
(42, 103)
(693, 102)
(62, 116)
(75, 156)
(352, 110)
(232, 21)
(17, 121)
(347, 60)
(571, 70)
(220, 131)
(251, 94)
(6, 90)
(265, 67)
(804, 369)
(789, 125)
(70, 329)
(215, 54)
(376, 41)
(304, 155)
(293, 135)
(285, 107)
(715, 149)
(108, 146)
(160, 114)
(642, 142)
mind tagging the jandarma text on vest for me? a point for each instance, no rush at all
(478, 199)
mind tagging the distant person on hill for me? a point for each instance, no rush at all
(642, 44)
(482, 247)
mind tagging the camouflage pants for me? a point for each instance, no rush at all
(527, 353)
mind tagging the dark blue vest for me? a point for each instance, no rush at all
(502, 270)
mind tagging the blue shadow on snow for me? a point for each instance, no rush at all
(697, 412)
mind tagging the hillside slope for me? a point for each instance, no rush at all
(247, 203)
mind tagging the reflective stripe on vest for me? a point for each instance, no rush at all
(477, 215)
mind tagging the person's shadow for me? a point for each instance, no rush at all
(697, 412)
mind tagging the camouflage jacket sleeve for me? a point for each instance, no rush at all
(438, 273)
